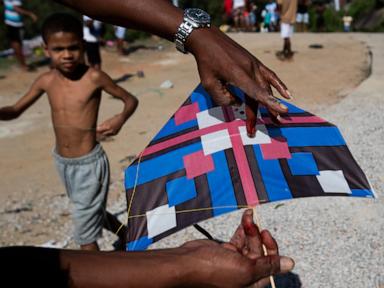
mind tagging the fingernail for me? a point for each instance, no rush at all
(253, 133)
(289, 94)
(283, 106)
(249, 212)
(286, 264)
(278, 117)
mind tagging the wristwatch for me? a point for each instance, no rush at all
(194, 18)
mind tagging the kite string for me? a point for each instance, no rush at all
(133, 191)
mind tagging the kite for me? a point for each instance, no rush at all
(202, 164)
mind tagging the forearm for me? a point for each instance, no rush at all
(158, 17)
(24, 11)
(8, 113)
(130, 106)
(160, 268)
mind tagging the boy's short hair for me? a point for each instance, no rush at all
(61, 22)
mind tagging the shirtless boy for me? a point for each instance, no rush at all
(74, 93)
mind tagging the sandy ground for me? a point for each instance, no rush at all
(33, 205)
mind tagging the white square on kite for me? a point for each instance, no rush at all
(160, 219)
(333, 181)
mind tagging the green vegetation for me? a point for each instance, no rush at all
(214, 7)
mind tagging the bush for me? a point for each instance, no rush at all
(360, 7)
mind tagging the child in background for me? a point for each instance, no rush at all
(91, 36)
(120, 35)
(347, 21)
(74, 93)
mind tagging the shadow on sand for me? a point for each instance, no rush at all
(289, 280)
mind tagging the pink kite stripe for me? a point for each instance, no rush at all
(188, 136)
(242, 164)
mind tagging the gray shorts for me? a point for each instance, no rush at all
(86, 180)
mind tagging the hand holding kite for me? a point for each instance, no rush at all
(221, 61)
(200, 263)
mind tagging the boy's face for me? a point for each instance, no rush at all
(66, 51)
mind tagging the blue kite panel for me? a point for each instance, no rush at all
(139, 244)
(309, 136)
(220, 185)
(180, 190)
(274, 181)
(170, 162)
(303, 164)
(171, 128)
(362, 193)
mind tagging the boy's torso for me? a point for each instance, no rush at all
(74, 109)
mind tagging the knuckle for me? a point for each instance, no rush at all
(208, 83)
(222, 100)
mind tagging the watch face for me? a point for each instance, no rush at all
(197, 15)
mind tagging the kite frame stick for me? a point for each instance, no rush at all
(258, 223)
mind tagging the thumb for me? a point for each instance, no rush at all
(271, 265)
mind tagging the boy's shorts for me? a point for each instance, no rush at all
(14, 34)
(286, 30)
(86, 180)
(302, 18)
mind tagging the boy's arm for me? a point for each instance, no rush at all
(113, 125)
(26, 12)
(14, 111)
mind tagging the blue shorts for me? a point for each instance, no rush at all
(86, 180)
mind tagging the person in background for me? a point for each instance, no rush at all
(302, 17)
(120, 36)
(228, 12)
(13, 19)
(74, 92)
(238, 14)
(252, 16)
(91, 34)
(347, 21)
(320, 20)
(271, 8)
(288, 9)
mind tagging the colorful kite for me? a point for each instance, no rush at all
(202, 164)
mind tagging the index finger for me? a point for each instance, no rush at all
(276, 82)
(252, 233)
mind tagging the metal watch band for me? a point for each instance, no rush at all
(194, 18)
(185, 29)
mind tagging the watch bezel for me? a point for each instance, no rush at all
(205, 20)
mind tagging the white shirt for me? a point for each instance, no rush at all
(87, 35)
(238, 4)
